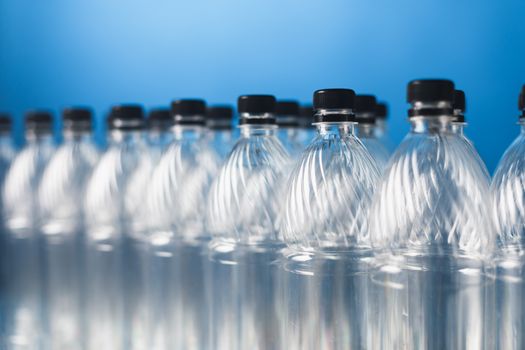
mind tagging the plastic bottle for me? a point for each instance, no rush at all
(291, 133)
(508, 212)
(219, 121)
(60, 193)
(177, 208)
(430, 219)
(381, 129)
(326, 228)
(243, 213)
(365, 116)
(7, 154)
(21, 215)
(160, 135)
(115, 222)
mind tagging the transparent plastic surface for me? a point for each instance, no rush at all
(177, 200)
(7, 154)
(63, 184)
(431, 213)
(242, 215)
(374, 145)
(508, 211)
(115, 244)
(222, 141)
(295, 139)
(325, 285)
(21, 213)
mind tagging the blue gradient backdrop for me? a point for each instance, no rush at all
(57, 53)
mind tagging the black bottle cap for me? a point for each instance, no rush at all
(459, 101)
(287, 108)
(219, 117)
(256, 105)
(189, 111)
(78, 118)
(222, 112)
(381, 110)
(459, 106)
(430, 91)
(334, 99)
(287, 114)
(126, 117)
(5, 122)
(159, 119)
(365, 109)
(306, 116)
(39, 120)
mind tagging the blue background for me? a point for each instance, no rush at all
(57, 53)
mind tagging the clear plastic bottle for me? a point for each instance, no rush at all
(431, 229)
(160, 135)
(508, 212)
(7, 154)
(381, 129)
(21, 215)
(292, 133)
(177, 207)
(326, 228)
(63, 184)
(242, 216)
(365, 116)
(116, 220)
(219, 121)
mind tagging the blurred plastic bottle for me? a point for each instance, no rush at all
(292, 133)
(508, 212)
(160, 135)
(430, 219)
(63, 184)
(7, 154)
(21, 215)
(177, 207)
(365, 116)
(381, 129)
(219, 121)
(243, 213)
(326, 227)
(115, 222)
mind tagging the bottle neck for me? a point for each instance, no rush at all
(335, 128)
(77, 136)
(188, 132)
(431, 124)
(249, 130)
(33, 137)
(120, 136)
(522, 126)
(458, 127)
(366, 130)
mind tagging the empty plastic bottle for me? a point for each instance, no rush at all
(291, 133)
(381, 129)
(177, 207)
(160, 135)
(7, 154)
(116, 220)
(508, 212)
(243, 212)
(430, 218)
(365, 116)
(61, 189)
(21, 215)
(327, 200)
(219, 121)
